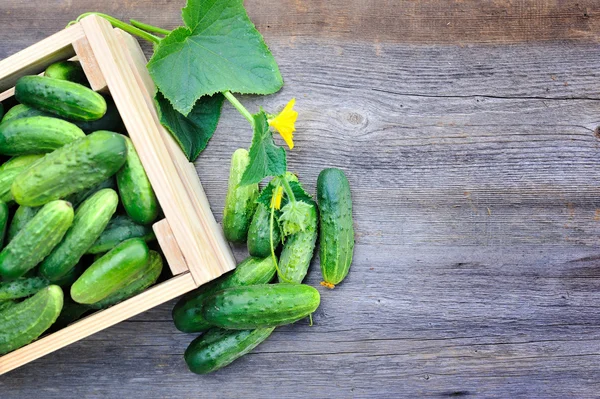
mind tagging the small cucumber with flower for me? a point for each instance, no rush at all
(337, 231)
(187, 313)
(240, 201)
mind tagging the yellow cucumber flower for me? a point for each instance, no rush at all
(276, 199)
(284, 123)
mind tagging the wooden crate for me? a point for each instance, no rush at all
(191, 239)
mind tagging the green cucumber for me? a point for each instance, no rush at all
(67, 70)
(25, 321)
(22, 287)
(110, 121)
(337, 230)
(6, 305)
(77, 198)
(71, 312)
(240, 201)
(23, 111)
(10, 169)
(22, 216)
(145, 279)
(35, 241)
(260, 306)
(218, 348)
(69, 278)
(297, 251)
(259, 233)
(111, 272)
(4, 214)
(72, 168)
(119, 229)
(66, 99)
(187, 313)
(135, 189)
(90, 220)
(36, 135)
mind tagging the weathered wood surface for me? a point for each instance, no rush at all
(467, 132)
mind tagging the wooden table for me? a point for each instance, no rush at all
(468, 132)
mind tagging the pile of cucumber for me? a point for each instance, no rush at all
(75, 206)
(240, 310)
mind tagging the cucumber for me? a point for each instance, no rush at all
(67, 70)
(21, 288)
(23, 111)
(110, 121)
(66, 99)
(22, 216)
(25, 321)
(119, 229)
(240, 201)
(187, 313)
(259, 233)
(135, 190)
(77, 198)
(36, 239)
(90, 220)
(69, 278)
(71, 312)
(260, 306)
(72, 168)
(4, 214)
(36, 135)
(218, 348)
(337, 230)
(10, 169)
(145, 279)
(7, 304)
(297, 252)
(111, 272)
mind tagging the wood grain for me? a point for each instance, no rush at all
(474, 167)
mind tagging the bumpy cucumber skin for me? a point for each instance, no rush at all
(36, 135)
(10, 170)
(143, 280)
(4, 215)
(240, 202)
(135, 190)
(218, 348)
(66, 99)
(90, 220)
(259, 236)
(22, 216)
(111, 272)
(77, 198)
(337, 230)
(35, 241)
(21, 288)
(4, 305)
(72, 168)
(119, 229)
(260, 306)
(24, 322)
(23, 111)
(67, 70)
(187, 313)
(297, 252)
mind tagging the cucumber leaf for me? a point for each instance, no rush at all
(193, 131)
(219, 49)
(266, 158)
(299, 192)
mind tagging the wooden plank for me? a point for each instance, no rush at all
(169, 247)
(98, 321)
(89, 64)
(145, 134)
(37, 57)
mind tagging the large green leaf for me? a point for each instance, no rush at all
(192, 132)
(219, 50)
(266, 158)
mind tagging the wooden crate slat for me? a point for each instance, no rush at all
(90, 66)
(170, 248)
(147, 139)
(98, 321)
(35, 58)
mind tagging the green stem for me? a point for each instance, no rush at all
(288, 189)
(149, 28)
(271, 239)
(125, 26)
(238, 105)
